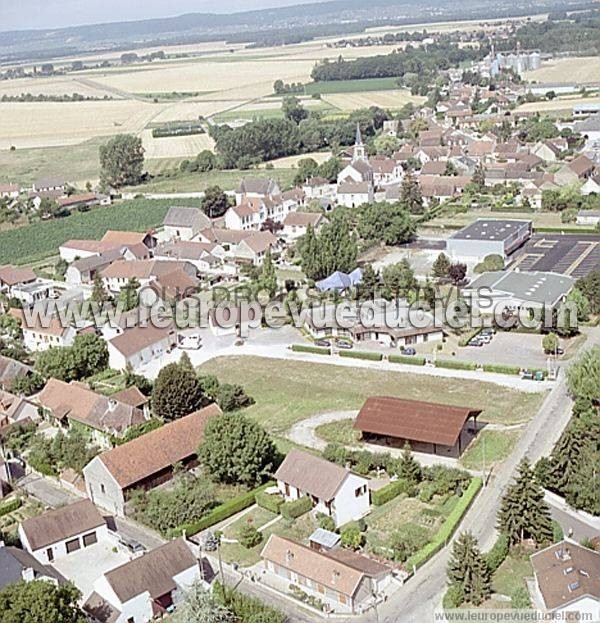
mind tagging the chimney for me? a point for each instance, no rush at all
(112, 404)
(28, 574)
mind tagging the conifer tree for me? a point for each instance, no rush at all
(441, 266)
(408, 468)
(467, 568)
(523, 512)
(99, 293)
(410, 194)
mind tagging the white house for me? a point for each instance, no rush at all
(591, 185)
(567, 581)
(253, 249)
(318, 187)
(244, 216)
(37, 337)
(12, 276)
(146, 587)
(295, 224)
(354, 194)
(31, 293)
(256, 188)
(334, 490)
(58, 533)
(140, 345)
(588, 217)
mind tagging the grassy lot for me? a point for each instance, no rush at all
(29, 508)
(289, 391)
(298, 530)
(196, 182)
(498, 445)
(351, 86)
(39, 240)
(338, 432)
(511, 574)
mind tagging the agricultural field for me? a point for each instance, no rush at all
(557, 105)
(39, 240)
(581, 70)
(318, 388)
(175, 146)
(352, 86)
(384, 99)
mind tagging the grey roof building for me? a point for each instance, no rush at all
(17, 565)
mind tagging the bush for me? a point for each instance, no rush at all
(352, 537)
(357, 354)
(454, 597)
(500, 368)
(325, 522)
(245, 608)
(557, 532)
(467, 338)
(249, 536)
(448, 527)
(495, 557)
(9, 507)
(220, 513)
(407, 540)
(305, 348)
(389, 492)
(520, 599)
(427, 492)
(414, 361)
(269, 501)
(297, 508)
(455, 364)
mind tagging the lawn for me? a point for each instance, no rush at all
(510, 575)
(196, 182)
(338, 432)
(39, 240)
(498, 446)
(351, 86)
(289, 391)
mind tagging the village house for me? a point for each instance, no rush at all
(145, 588)
(184, 223)
(74, 406)
(252, 250)
(120, 273)
(581, 168)
(567, 581)
(318, 187)
(11, 370)
(17, 565)
(45, 333)
(10, 191)
(591, 185)
(354, 194)
(133, 397)
(591, 218)
(48, 185)
(256, 188)
(15, 409)
(295, 224)
(245, 215)
(145, 462)
(428, 427)
(139, 345)
(346, 582)
(11, 277)
(84, 200)
(58, 533)
(334, 490)
(85, 269)
(203, 255)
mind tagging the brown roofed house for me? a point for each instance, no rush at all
(146, 461)
(428, 427)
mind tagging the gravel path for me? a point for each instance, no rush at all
(304, 432)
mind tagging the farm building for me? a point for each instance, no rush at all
(427, 427)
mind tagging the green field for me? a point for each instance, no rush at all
(352, 86)
(289, 391)
(498, 445)
(39, 240)
(195, 182)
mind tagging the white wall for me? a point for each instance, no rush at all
(102, 488)
(348, 507)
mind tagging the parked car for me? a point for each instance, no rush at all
(323, 343)
(344, 345)
(475, 342)
(133, 546)
(410, 352)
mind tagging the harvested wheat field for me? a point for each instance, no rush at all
(175, 146)
(581, 70)
(384, 99)
(557, 105)
(62, 85)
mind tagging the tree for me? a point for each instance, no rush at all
(457, 272)
(410, 194)
(90, 354)
(57, 363)
(523, 512)
(268, 277)
(399, 278)
(468, 569)
(249, 536)
(490, 263)
(177, 392)
(307, 168)
(351, 537)
(520, 599)
(441, 266)
(330, 169)
(200, 606)
(129, 297)
(479, 177)
(232, 397)
(584, 376)
(122, 161)
(40, 602)
(99, 292)
(293, 110)
(206, 161)
(215, 202)
(369, 283)
(237, 450)
(590, 287)
(407, 467)
(581, 303)
(390, 223)
(550, 343)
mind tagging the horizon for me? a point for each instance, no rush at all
(51, 14)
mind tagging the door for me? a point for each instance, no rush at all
(73, 546)
(89, 539)
(50, 554)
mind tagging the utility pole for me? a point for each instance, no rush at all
(484, 474)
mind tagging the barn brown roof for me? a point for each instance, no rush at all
(414, 420)
(157, 450)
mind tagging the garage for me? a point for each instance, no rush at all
(72, 546)
(89, 539)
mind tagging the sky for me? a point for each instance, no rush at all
(26, 14)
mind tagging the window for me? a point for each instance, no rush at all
(360, 491)
(50, 554)
(102, 489)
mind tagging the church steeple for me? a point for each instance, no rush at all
(359, 148)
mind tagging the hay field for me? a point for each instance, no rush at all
(290, 162)
(384, 99)
(175, 146)
(557, 104)
(67, 123)
(60, 85)
(581, 70)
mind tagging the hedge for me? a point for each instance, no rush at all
(415, 361)
(449, 526)
(455, 364)
(357, 354)
(464, 341)
(10, 507)
(501, 368)
(295, 509)
(389, 492)
(315, 350)
(244, 607)
(220, 513)
(564, 230)
(269, 502)
(497, 554)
